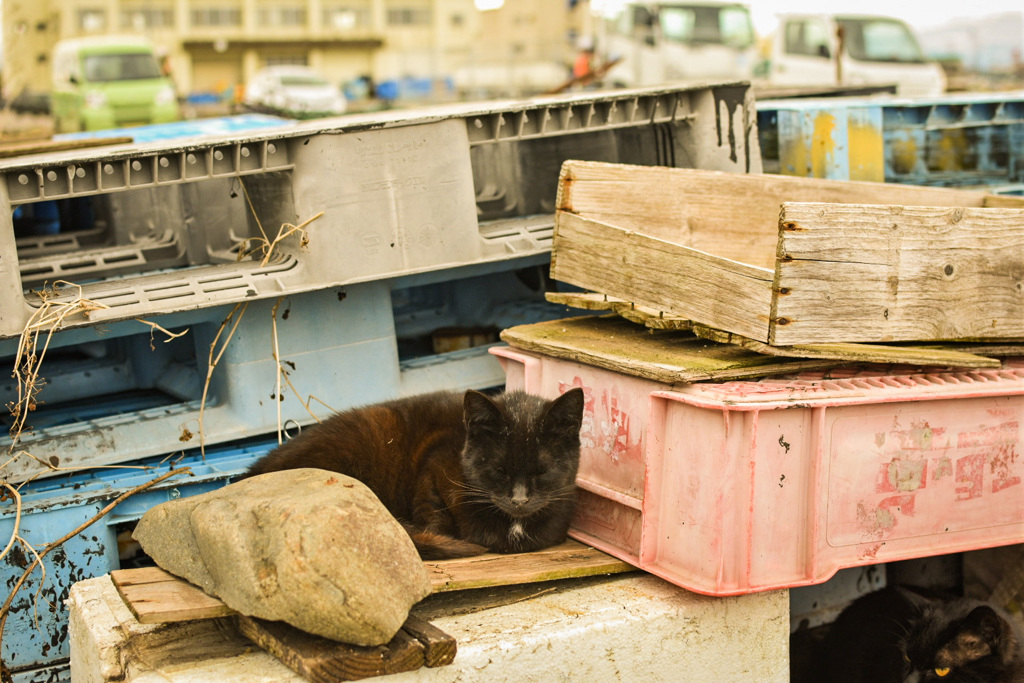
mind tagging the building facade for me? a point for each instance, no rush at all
(213, 45)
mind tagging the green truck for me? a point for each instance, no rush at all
(109, 82)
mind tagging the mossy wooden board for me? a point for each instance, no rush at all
(616, 344)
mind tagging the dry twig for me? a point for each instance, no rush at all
(267, 247)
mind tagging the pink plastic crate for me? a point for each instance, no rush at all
(746, 486)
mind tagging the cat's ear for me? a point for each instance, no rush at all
(481, 413)
(565, 414)
(915, 599)
(983, 632)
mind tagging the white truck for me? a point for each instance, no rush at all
(850, 50)
(671, 42)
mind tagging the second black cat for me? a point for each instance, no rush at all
(899, 635)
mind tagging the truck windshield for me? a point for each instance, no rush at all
(128, 66)
(880, 40)
(703, 25)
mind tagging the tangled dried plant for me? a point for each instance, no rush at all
(247, 248)
(55, 309)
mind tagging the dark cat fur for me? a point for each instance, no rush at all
(464, 473)
(903, 636)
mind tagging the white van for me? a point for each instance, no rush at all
(851, 50)
(671, 42)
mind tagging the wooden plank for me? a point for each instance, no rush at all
(439, 648)
(652, 272)
(568, 560)
(155, 596)
(588, 301)
(651, 317)
(642, 315)
(663, 356)
(896, 273)
(322, 660)
(857, 353)
(730, 215)
(1003, 201)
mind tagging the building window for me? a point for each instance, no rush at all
(281, 15)
(347, 16)
(148, 16)
(286, 60)
(409, 15)
(224, 15)
(91, 20)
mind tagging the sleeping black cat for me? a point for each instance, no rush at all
(464, 473)
(903, 636)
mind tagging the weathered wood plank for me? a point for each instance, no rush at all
(663, 356)
(857, 353)
(642, 315)
(588, 301)
(439, 648)
(731, 215)
(321, 660)
(897, 273)
(155, 596)
(651, 317)
(652, 272)
(568, 560)
(1003, 201)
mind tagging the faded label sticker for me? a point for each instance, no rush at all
(897, 473)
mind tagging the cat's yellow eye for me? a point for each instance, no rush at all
(942, 672)
(906, 659)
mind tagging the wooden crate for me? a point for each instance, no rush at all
(785, 260)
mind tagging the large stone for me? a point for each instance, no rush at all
(313, 548)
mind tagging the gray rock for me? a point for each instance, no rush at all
(313, 548)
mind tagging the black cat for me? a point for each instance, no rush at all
(464, 473)
(904, 636)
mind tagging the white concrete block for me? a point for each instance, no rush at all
(633, 627)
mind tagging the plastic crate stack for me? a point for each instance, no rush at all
(422, 234)
(959, 139)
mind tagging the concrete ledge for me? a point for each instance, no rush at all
(618, 628)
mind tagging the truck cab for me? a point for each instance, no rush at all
(670, 42)
(851, 50)
(109, 82)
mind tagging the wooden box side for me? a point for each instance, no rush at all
(898, 273)
(654, 272)
(732, 215)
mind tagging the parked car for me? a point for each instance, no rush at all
(108, 82)
(296, 91)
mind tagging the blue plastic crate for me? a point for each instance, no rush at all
(36, 630)
(953, 140)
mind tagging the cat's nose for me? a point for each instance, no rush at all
(519, 495)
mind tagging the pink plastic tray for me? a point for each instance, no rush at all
(746, 486)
